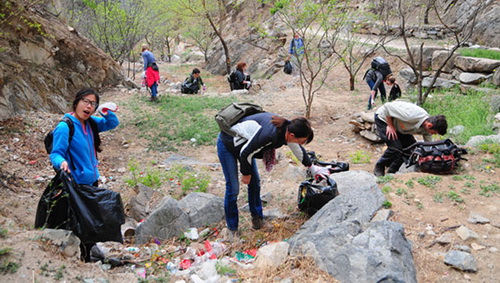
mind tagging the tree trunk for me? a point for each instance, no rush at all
(169, 56)
(351, 82)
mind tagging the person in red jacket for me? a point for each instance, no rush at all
(151, 71)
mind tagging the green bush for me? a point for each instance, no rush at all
(471, 110)
(480, 53)
(360, 157)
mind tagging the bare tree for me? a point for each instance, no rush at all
(462, 31)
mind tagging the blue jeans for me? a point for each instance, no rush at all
(154, 89)
(381, 87)
(230, 169)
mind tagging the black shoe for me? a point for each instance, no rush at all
(257, 223)
(379, 170)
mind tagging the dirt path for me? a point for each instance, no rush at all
(427, 212)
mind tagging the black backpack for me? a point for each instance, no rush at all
(313, 196)
(231, 78)
(288, 69)
(381, 65)
(231, 114)
(49, 138)
(436, 157)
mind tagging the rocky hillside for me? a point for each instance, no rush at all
(44, 61)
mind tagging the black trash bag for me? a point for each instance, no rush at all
(53, 207)
(94, 214)
(313, 196)
(333, 166)
(288, 69)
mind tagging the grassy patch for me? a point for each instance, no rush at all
(386, 189)
(438, 197)
(150, 177)
(410, 183)
(454, 197)
(387, 204)
(489, 190)
(3, 232)
(175, 120)
(480, 53)
(360, 157)
(494, 150)
(471, 111)
(8, 267)
(384, 179)
(224, 269)
(189, 180)
(429, 181)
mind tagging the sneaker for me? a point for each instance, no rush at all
(231, 236)
(379, 170)
(257, 223)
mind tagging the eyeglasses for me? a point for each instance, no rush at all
(89, 102)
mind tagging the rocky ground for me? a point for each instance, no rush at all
(422, 203)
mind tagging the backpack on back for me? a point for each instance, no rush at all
(231, 78)
(381, 65)
(49, 138)
(231, 114)
(437, 157)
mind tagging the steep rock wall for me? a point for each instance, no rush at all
(44, 62)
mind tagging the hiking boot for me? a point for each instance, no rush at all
(233, 236)
(379, 170)
(257, 223)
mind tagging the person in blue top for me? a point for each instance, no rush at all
(296, 50)
(257, 137)
(151, 71)
(79, 156)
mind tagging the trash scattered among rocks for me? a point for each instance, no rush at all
(67, 241)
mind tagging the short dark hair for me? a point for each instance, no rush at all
(196, 71)
(84, 92)
(439, 124)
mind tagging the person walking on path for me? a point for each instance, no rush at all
(79, 157)
(295, 53)
(258, 136)
(151, 71)
(397, 122)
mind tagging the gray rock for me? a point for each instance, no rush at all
(473, 78)
(343, 242)
(273, 213)
(267, 197)
(457, 130)
(130, 84)
(496, 78)
(383, 215)
(139, 204)
(67, 241)
(466, 234)
(440, 83)
(444, 239)
(184, 160)
(438, 58)
(202, 208)
(476, 65)
(407, 74)
(427, 52)
(477, 140)
(295, 173)
(462, 248)
(495, 103)
(369, 135)
(461, 260)
(272, 255)
(475, 218)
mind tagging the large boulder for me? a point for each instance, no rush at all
(496, 78)
(440, 83)
(438, 58)
(476, 65)
(43, 67)
(343, 241)
(427, 52)
(473, 78)
(477, 140)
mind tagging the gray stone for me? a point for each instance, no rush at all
(462, 248)
(202, 208)
(476, 65)
(427, 52)
(477, 140)
(139, 204)
(272, 255)
(466, 234)
(444, 239)
(130, 84)
(176, 159)
(461, 260)
(473, 78)
(369, 135)
(438, 58)
(493, 250)
(67, 241)
(345, 244)
(383, 215)
(408, 74)
(475, 218)
(496, 78)
(457, 130)
(267, 197)
(273, 213)
(440, 83)
(495, 103)
(295, 173)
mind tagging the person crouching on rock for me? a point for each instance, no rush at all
(193, 83)
(257, 137)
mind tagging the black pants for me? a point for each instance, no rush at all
(393, 156)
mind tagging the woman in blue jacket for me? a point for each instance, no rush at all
(257, 137)
(79, 156)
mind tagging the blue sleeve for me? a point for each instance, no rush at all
(145, 59)
(291, 47)
(108, 122)
(60, 144)
(380, 78)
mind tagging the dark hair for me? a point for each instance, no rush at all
(300, 127)
(391, 79)
(439, 123)
(240, 66)
(84, 92)
(196, 71)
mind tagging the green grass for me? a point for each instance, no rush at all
(438, 197)
(387, 204)
(360, 157)
(386, 189)
(177, 120)
(454, 197)
(489, 190)
(8, 267)
(480, 53)
(471, 111)
(3, 232)
(429, 181)
(384, 179)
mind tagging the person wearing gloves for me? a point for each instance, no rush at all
(79, 156)
(193, 83)
(151, 71)
(258, 136)
(397, 122)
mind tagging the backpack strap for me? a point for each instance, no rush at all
(95, 134)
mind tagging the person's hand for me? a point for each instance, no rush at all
(65, 167)
(105, 107)
(204, 87)
(245, 179)
(319, 172)
(391, 133)
(143, 75)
